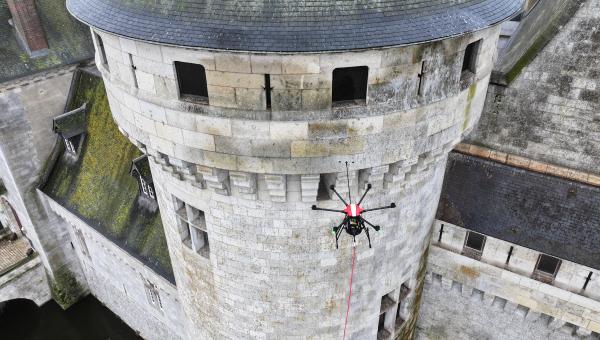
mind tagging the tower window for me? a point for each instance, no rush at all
(192, 81)
(103, 58)
(546, 268)
(470, 58)
(192, 227)
(474, 244)
(350, 84)
(385, 310)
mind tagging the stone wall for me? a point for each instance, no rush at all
(146, 301)
(26, 140)
(510, 285)
(448, 313)
(27, 281)
(249, 175)
(550, 111)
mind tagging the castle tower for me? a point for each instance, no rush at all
(248, 111)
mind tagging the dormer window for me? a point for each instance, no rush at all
(140, 168)
(349, 85)
(71, 128)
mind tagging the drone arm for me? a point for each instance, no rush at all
(314, 207)
(391, 206)
(332, 187)
(371, 224)
(369, 186)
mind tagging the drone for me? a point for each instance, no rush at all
(353, 222)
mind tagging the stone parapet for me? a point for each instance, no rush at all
(563, 301)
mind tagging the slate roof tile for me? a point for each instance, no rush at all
(292, 26)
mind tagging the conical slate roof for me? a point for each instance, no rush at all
(291, 25)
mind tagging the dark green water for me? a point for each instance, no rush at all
(86, 320)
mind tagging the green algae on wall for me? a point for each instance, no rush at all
(98, 187)
(65, 289)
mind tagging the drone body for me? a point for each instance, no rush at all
(353, 222)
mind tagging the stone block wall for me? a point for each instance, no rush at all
(564, 301)
(146, 301)
(550, 111)
(27, 106)
(27, 281)
(270, 269)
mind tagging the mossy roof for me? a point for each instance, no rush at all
(69, 41)
(98, 187)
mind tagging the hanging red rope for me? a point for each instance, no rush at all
(350, 294)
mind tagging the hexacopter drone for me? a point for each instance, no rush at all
(353, 222)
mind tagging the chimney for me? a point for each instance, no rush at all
(28, 26)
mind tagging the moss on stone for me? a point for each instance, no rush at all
(98, 187)
(470, 96)
(408, 328)
(65, 289)
(527, 58)
(68, 41)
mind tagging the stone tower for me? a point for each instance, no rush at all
(247, 111)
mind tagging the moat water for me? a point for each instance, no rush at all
(86, 320)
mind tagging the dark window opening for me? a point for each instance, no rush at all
(192, 81)
(350, 84)
(470, 58)
(382, 332)
(475, 241)
(268, 89)
(474, 244)
(102, 51)
(548, 264)
(546, 268)
(399, 319)
(404, 291)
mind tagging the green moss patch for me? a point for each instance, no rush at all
(98, 187)
(68, 40)
(65, 289)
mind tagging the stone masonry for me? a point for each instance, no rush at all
(250, 175)
(550, 112)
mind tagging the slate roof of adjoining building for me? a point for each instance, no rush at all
(291, 25)
(68, 40)
(544, 213)
(98, 187)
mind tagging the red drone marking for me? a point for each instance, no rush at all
(353, 210)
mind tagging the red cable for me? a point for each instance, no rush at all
(350, 295)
